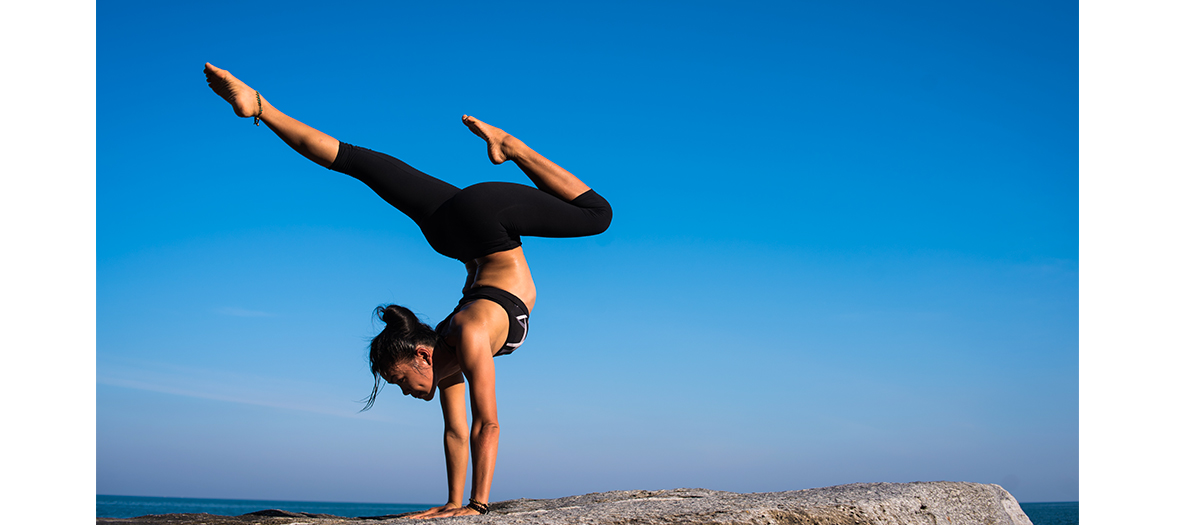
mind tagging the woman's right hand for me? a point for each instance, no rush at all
(430, 513)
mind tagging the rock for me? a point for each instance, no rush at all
(276, 513)
(919, 503)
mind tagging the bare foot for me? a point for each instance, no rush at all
(501, 145)
(234, 91)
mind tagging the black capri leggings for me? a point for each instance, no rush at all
(478, 220)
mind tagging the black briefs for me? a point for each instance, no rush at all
(478, 220)
(518, 315)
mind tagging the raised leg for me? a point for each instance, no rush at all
(317, 146)
(547, 175)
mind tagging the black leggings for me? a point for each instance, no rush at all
(477, 220)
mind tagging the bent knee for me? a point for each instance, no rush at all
(602, 219)
(597, 209)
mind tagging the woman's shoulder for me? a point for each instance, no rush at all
(475, 328)
(472, 315)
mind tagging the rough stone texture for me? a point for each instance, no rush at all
(919, 503)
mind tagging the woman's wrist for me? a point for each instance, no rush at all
(478, 506)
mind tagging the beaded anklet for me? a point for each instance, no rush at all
(259, 99)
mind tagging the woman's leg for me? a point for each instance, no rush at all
(507, 211)
(414, 193)
(308, 141)
(547, 175)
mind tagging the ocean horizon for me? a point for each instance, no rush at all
(109, 506)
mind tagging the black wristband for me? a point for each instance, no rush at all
(477, 506)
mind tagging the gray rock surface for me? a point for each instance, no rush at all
(919, 503)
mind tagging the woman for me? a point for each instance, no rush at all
(481, 226)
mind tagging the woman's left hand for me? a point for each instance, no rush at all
(450, 513)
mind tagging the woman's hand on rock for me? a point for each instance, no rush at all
(461, 511)
(434, 513)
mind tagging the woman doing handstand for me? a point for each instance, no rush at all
(481, 226)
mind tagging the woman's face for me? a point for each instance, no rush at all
(415, 378)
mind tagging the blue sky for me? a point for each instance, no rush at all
(845, 246)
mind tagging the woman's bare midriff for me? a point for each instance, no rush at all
(506, 270)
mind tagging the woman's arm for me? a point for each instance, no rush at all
(485, 426)
(453, 398)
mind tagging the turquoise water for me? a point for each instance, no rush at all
(132, 506)
(1057, 513)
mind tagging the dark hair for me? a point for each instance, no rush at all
(396, 343)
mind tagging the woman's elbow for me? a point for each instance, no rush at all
(485, 429)
(458, 435)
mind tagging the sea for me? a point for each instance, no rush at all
(134, 506)
(1057, 513)
(1053, 513)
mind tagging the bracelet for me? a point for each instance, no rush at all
(259, 99)
(477, 506)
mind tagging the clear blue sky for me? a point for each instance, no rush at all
(845, 245)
